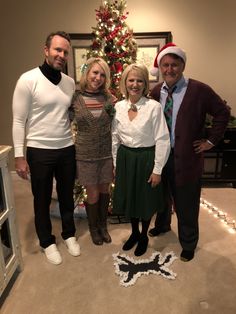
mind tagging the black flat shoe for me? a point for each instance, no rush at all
(130, 243)
(186, 256)
(142, 246)
(154, 232)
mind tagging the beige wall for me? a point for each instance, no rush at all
(206, 29)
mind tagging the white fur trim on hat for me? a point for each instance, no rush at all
(154, 71)
(173, 49)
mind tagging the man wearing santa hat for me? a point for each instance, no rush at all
(189, 101)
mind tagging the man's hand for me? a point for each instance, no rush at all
(22, 167)
(154, 179)
(201, 145)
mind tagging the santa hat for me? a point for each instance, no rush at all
(168, 48)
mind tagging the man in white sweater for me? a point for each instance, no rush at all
(41, 100)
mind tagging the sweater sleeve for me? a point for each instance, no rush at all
(20, 106)
(220, 116)
(162, 140)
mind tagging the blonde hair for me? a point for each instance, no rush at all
(86, 69)
(142, 70)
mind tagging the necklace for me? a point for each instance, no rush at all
(133, 107)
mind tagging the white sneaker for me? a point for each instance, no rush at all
(73, 246)
(53, 255)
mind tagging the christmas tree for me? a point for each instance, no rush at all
(113, 40)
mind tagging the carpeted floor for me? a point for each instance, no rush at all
(88, 284)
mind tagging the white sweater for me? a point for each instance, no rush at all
(40, 112)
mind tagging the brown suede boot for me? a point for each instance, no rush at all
(104, 200)
(92, 214)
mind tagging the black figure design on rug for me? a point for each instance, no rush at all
(130, 270)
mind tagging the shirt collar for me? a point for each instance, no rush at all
(179, 85)
(138, 104)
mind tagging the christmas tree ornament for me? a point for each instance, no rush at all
(113, 40)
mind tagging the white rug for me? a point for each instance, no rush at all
(130, 269)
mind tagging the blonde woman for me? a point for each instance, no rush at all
(93, 113)
(140, 148)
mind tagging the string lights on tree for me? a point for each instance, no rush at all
(113, 40)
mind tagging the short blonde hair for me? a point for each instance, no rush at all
(142, 70)
(86, 69)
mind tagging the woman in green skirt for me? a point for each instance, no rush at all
(140, 148)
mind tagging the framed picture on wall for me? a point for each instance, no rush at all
(80, 43)
(149, 45)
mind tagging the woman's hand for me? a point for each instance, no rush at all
(154, 179)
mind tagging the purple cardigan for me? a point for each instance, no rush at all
(199, 100)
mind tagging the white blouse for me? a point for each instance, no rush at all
(147, 129)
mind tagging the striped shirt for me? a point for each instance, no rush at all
(94, 102)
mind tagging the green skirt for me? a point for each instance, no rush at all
(133, 195)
